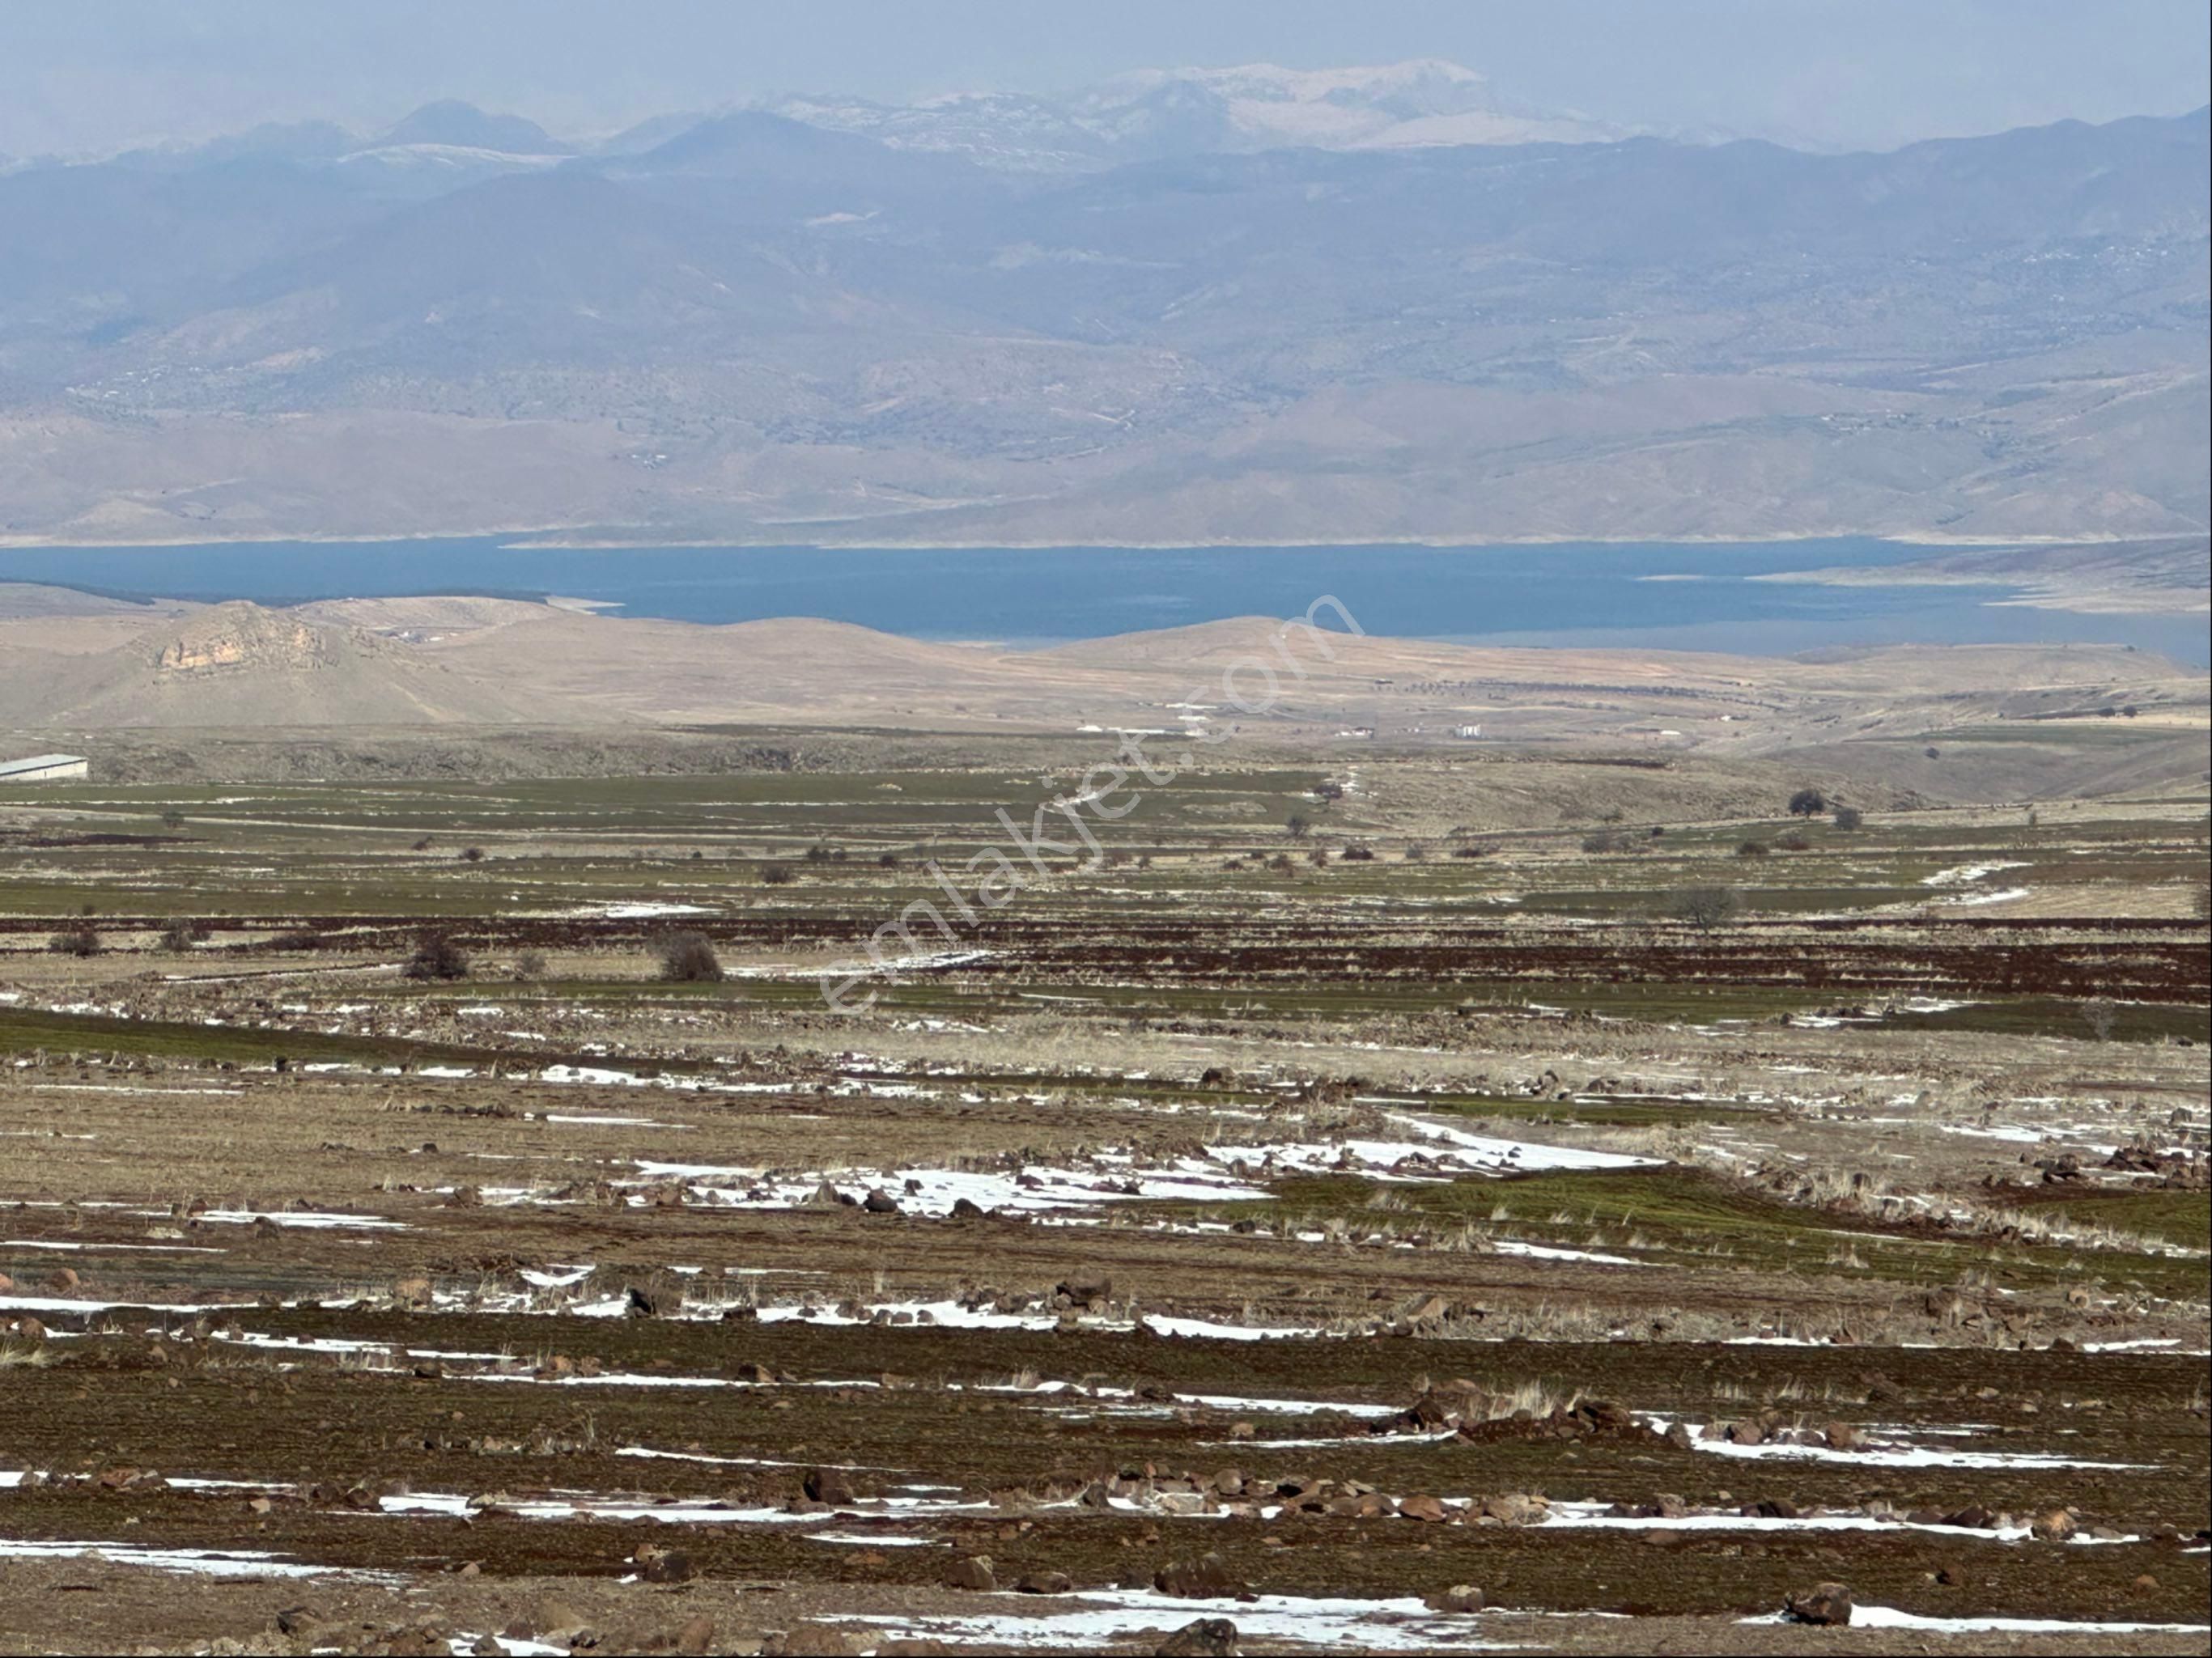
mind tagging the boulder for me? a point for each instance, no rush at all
(1827, 1603)
(1460, 1597)
(2055, 1527)
(1423, 1508)
(810, 1640)
(1207, 1578)
(1044, 1582)
(656, 1300)
(828, 1486)
(1092, 1290)
(972, 1573)
(880, 1202)
(1842, 1437)
(1206, 1637)
(658, 1565)
(694, 1638)
(297, 1620)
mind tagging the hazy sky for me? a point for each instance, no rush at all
(97, 75)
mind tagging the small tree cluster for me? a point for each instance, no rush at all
(1807, 803)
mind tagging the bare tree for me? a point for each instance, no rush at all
(1707, 907)
(2100, 1013)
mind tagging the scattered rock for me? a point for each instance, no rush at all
(1427, 1509)
(828, 1486)
(694, 1638)
(1514, 1510)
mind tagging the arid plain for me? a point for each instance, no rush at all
(1562, 1150)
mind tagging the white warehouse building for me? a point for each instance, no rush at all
(45, 768)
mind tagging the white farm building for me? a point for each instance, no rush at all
(45, 768)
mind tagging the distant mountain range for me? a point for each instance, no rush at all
(1247, 305)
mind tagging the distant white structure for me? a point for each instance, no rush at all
(45, 768)
(1466, 731)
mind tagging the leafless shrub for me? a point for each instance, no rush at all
(182, 933)
(689, 958)
(80, 941)
(436, 956)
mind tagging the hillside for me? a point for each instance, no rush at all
(1956, 722)
(239, 664)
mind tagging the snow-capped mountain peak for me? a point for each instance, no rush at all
(1151, 114)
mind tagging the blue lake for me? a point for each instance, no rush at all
(1683, 597)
